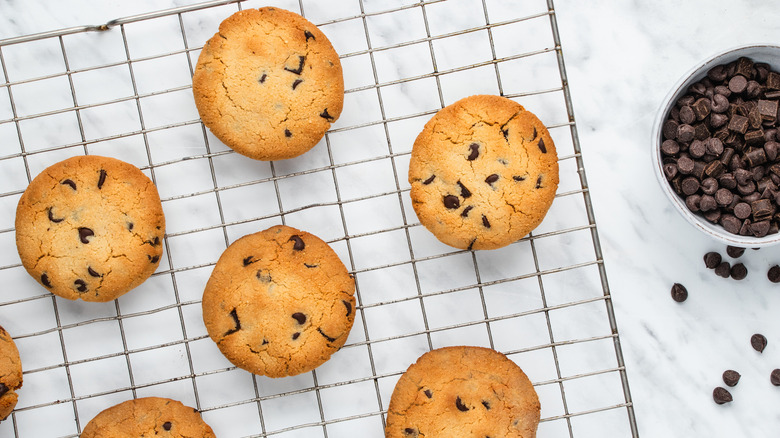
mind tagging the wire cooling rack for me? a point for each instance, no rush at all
(123, 90)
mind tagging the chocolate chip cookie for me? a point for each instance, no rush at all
(90, 227)
(10, 374)
(268, 84)
(463, 392)
(483, 172)
(279, 302)
(148, 417)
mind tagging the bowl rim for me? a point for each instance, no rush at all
(693, 75)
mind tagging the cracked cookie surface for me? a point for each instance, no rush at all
(279, 302)
(463, 392)
(268, 84)
(148, 417)
(90, 227)
(483, 173)
(10, 374)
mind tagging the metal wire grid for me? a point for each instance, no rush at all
(264, 396)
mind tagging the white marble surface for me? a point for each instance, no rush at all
(621, 59)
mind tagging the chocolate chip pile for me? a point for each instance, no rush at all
(720, 148)
(722, 395)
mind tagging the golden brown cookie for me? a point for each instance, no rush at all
(148, 417)
(463, 392)
(483, 172)
(268, 84)
(90, 227)
(10, 374)
(279, 302)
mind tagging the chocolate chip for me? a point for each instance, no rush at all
(300, 317)
(153, 259)
(93, 272)
(325, 336)
(308, 35)
(697, 149)
(310, 265)
(738, 124)
(519, 178)
(3, 389)
(710, 185)
(670, 129)
(538, 182)
(679, 293)
(685, 165)
(758, 342)
(296, 335)
(348, 305)
(47, 283)
(774, 377)
(687, 115)
(262, 78)
(299, 69)
(287, 133)
(236, 323)
(721, 395)
(533, 136)
(70, 183)
(485, 221)
(101, 179)
(296, 83)
(474, 147)
(491, 179)
(690, 186)
(263, 276)
(464, 192)
(451, 201)
(739, 271)
(298, 245)
(774, 274)
(734, 251)
(52, 218)
(428, 393)
(429, 180)
(459, 404)
(486, 404)
(84, 233)
(670, 147)
(724, 197)
(702, 108)
(167, 425)
(723, 270)
(731, 377)
(81, 285)
(466, 211)
(129, 226)
(248, 260)
(410, 432)
(737, 84)
(685, 133)
(541, 146)
(712, 260)
(324, 114)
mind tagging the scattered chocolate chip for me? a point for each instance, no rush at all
(721, 395)
(758, 342)
(774, 377)
(451, 201)
(308, 35)
(52, 218)
(428, 393)
(464, 192)
(325, 336)
(739, 271)
(474, 147)
(324, 114)
(774, 274)
(70, 183)
(734, 251)
(300, 317)
(429, 180)
(712, 260)
(101, 179)
(466, 211)
(167, 425)
(45, 280)
(262, 78)
(296, 335)
(491, 179)
(679, 293)
(723, 270)
(459, 404)
(296, 83)
(299, 69)
(298, 245)
(348, 305)
(731, 377)
(81, 285)
(93, 272)
(236, 323)
(84, 233)
(541, 146)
